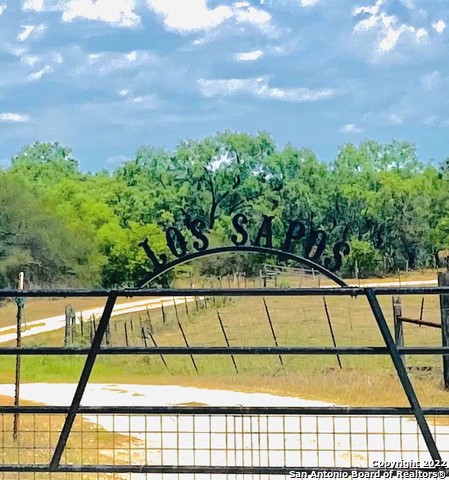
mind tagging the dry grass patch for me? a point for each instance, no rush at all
(88, 444)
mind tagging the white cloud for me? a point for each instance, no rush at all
(25, 33)
(390, 39)
(116, 12)
(107, 62)
(40, 73)
(31, 30)
(309, 3)
(44, 5)
(259, 87)
(439, 26)
(34, 5)
(248, 56)
(431, 81)
(2, 8)
(57, 57)
(149, 101)
(390, 117)
(33, 61)
(13, 49)
(350, 128)
(246, 14)
(190, 16)
(410, 4)
(30, 60)
(195, 15)
(395, 119)
(386, 29)
(371, 10)
(14, 117)
(199, 41)
(421, 32)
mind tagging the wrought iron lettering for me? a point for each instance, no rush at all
(196, 227)
(314, 242)
(296, 231)
(334, 264)
(176, 242)
(238, 222)
(152, 256)
(265, 231)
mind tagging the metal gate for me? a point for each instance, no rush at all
(229, 442)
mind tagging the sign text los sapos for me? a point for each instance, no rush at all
(314, 241)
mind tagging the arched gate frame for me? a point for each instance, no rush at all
(91, 353)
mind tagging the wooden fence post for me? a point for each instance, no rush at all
(443, 281)
(68, 325)
(107, 336)
(398, 325)
(73, 325)
(126, 334)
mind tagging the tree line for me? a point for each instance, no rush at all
(62, 226)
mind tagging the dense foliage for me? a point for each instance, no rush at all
(66, 227)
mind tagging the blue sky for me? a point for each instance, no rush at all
(107, 76)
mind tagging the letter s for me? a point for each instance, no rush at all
(238, 221)
(196, 227)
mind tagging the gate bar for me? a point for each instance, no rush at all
(419, 322)
(403, 376)
(212, 469)
(222, 410)
(227, 351)
(85, 374)
(227, 292)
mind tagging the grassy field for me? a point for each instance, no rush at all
(39, 308)
(362, 380)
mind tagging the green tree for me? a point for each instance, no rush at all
(33, 240)
(44, 164)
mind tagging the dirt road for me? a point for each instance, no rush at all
(54, 323)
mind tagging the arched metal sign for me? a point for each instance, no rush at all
(313, 241)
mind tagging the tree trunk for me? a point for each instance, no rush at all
(212, 214)
(437, 259)
(411, 260)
